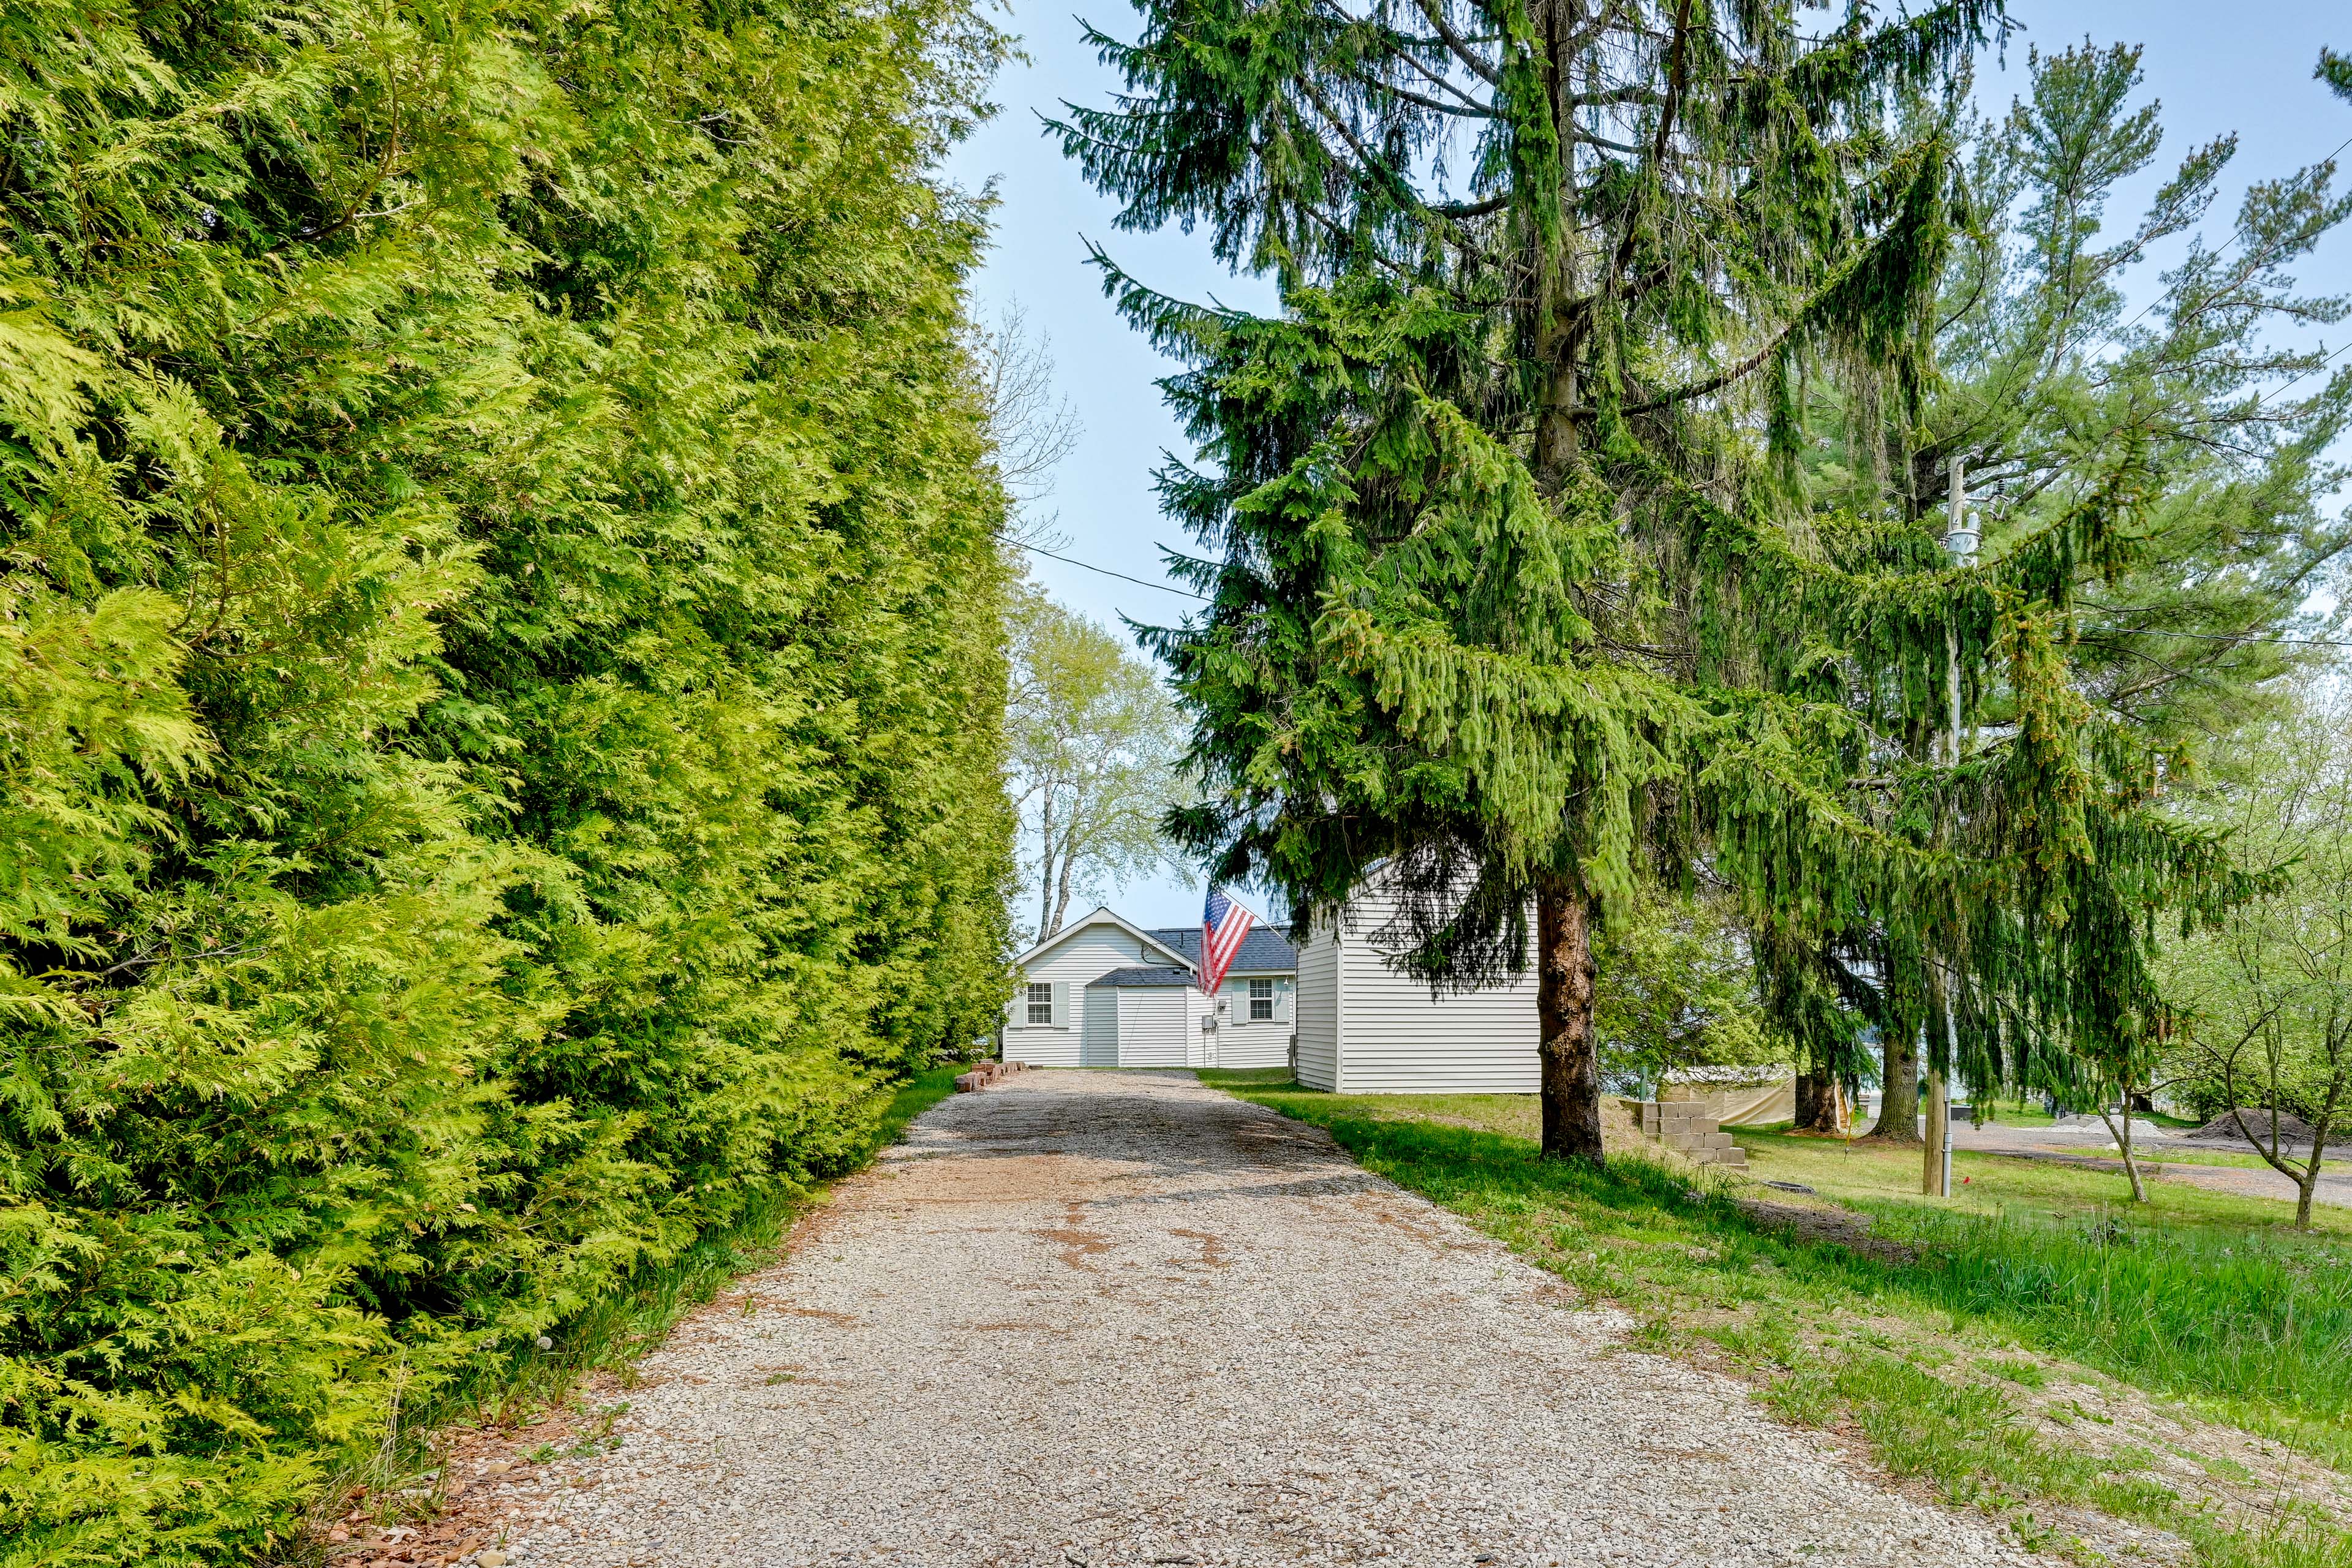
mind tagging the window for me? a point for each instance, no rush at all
(1261, 1001)
(1041, 1003)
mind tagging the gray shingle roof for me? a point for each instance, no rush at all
(1263, 951)
(1145, 975)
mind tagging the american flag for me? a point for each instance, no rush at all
(1224, 923)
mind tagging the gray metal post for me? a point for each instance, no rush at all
(1960, 540)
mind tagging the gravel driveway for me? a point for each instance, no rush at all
(1120, 1318)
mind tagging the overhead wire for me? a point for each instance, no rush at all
(2236, 234)
(2147, 632)
(2239, 233)
(1105, 571)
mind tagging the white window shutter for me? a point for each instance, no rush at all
(1061, 1004)
(1016, 1011)
(1282, 990)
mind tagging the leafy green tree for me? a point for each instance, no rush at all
(1093, 743)
(1675, 988)
(1520, 583)
(2267, 997)
(501, 666)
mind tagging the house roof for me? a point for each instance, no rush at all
(1263, 951)
(1102, 915)
(1146, 974)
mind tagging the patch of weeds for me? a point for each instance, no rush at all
(776, 1378)
(2024, 1373)
(2030, 1532)
(1965, 1440)
(1765, 1340)
(1655, 1335)
(1802, 1398)
(2221, 1467)
(2109, 1232)
(597, 1436)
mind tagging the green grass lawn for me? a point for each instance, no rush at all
(1995, 1185)
(1995, 1346)
(2015, 1113)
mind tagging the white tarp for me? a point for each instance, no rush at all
(1746, 1105)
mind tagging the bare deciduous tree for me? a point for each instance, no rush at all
(1032, 426)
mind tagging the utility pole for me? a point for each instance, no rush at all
(1936, 1176)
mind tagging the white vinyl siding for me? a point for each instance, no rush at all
(1317, 1011)
(1139, 1025)
(1395, 1039)
(1246, 1042)
(1068, 966)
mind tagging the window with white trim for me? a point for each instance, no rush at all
(1261, 1001)
(1041, 1002)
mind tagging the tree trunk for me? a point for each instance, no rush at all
(2320, 1129)
(1572, 1061)
(1898, 1100)
(1816, 1104)
(1939, 1131)
(1046, 864)
(1069, 859)
(2123, 1146)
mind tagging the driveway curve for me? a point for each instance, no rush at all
(1102, 1318)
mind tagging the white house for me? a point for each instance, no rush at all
(1365, 1029)
(1103, 993)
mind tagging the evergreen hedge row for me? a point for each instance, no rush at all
(500, 668)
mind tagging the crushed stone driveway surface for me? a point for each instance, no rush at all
(1105, 1317)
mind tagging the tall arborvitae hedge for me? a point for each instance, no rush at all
(500, 680)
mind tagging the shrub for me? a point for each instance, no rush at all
(499, 676)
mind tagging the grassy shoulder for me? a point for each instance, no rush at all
(2100, 1380)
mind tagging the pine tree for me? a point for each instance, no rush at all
(2045, 374)
(1520, 589)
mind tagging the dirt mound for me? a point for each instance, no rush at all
(2292, 1129)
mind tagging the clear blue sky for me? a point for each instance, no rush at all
(2216, 68)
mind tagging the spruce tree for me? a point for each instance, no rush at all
(1518, 588)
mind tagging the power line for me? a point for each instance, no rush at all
(2226, 636)
(2151, 632)
(2306, 375)
(1106, 572)
(2238, 234)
